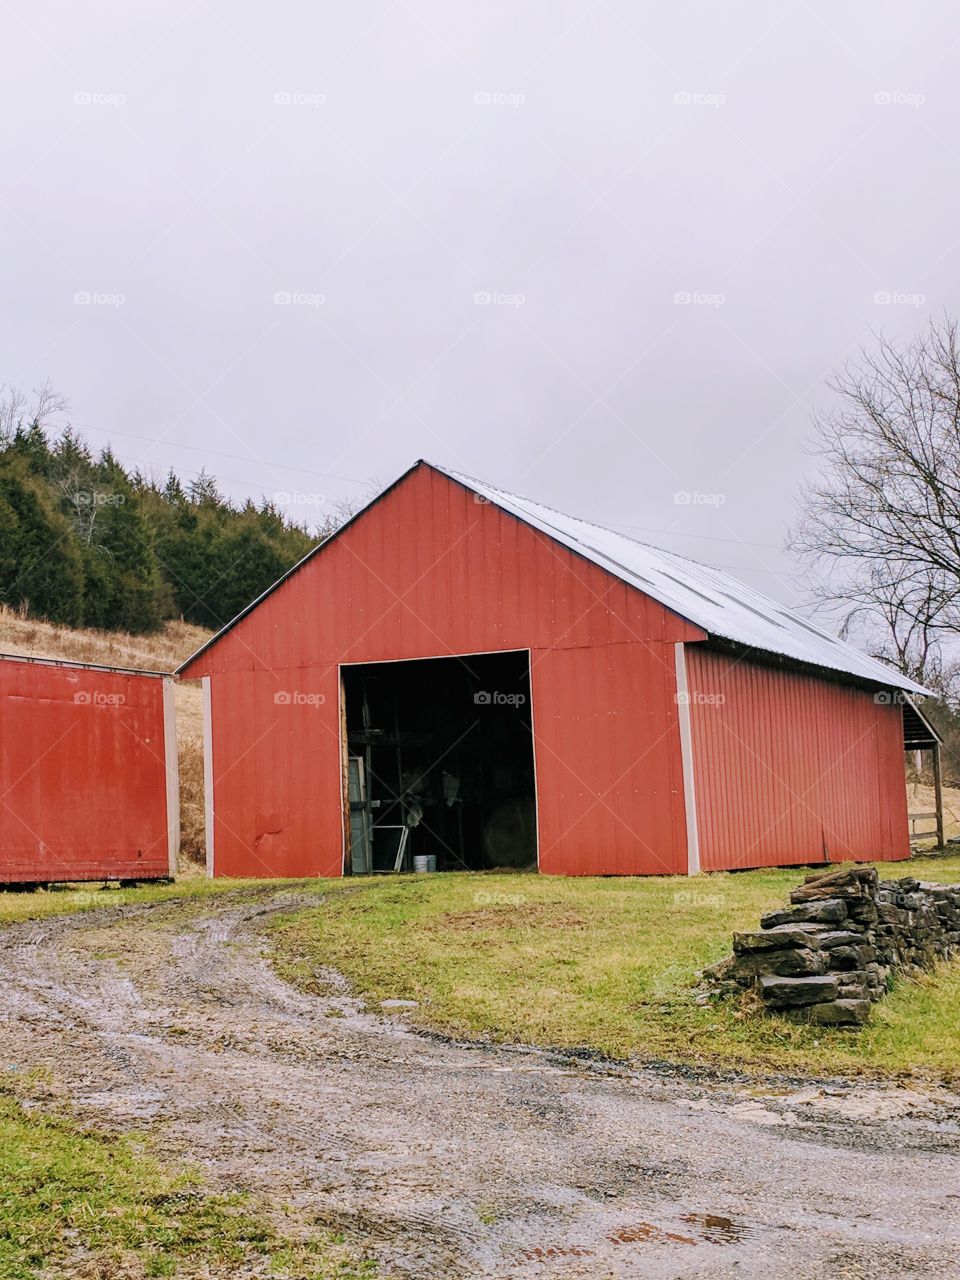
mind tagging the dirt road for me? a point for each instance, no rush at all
(450, 1160)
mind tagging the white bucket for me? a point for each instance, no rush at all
(424, 862)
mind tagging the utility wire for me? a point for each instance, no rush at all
(328, 475)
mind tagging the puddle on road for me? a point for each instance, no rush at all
(716, 1229)
(556, 1251)
(644, 1232)
(711, 1228)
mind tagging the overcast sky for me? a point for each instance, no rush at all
(602, 254)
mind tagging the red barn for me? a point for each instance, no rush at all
(88, 773)
(464, 674)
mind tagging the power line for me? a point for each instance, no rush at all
(215, 453)
(327, 475)
(141, 464)
(704, 537)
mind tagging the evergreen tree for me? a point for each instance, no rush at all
(40, 563)
(122, 550)
(84, 541)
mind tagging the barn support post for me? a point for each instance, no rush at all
(172, 770)
(686, 753)
(938, 793)
(207, 774)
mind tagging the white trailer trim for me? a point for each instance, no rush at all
(172, 775)
(207, 772)
(686, 755)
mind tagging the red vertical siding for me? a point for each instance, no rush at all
(83, 791)
(608, 764)
(790, 768)
(427, 572)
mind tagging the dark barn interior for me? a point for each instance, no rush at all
(440, 763)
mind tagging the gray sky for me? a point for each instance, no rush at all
(599, 253)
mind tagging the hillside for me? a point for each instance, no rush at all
(161, 651)
(86, 542)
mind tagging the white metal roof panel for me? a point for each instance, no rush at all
(705, 596)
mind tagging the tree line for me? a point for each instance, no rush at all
(85, 541)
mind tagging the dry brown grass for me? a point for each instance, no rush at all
(192, 845)
(921, 799)
(160, 652)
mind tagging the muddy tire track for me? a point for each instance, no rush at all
(451, 1160)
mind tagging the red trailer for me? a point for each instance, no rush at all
(88, 773)
(463, 673)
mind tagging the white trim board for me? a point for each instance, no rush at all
(207, 772)
(172, 771)
(686, 755)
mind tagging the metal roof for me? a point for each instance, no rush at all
(705, 596)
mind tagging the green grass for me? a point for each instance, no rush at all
(72, 1203)
(606, 964)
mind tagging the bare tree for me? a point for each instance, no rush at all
(17, 412)
(882, 524)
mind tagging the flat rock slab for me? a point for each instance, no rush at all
(840, 938)
(772, 939)
(839, 1013)
(827, 911)
(787, 992)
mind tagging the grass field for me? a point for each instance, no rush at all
(605, 964)
(74, 1204)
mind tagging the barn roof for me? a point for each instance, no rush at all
(722, 606)
(708, 597)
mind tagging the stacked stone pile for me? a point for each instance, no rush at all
(829, 955)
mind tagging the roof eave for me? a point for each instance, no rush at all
(885, 678)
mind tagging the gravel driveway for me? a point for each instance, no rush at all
(450, 1160)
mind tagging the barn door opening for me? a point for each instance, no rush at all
(440, 763)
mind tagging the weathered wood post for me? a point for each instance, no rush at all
(938, 793)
